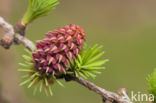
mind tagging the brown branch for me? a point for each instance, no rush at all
(11, 35)
(25, 41)
(7, 39)
(109, 96)
(17, 33)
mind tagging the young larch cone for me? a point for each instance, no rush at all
(53, 53)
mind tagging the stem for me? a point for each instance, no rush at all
(25, 41)
(110, 96)
(9, 36)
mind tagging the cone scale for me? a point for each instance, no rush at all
(53, 53)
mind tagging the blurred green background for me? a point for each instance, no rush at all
(125, 28)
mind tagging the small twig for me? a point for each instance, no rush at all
(110, 96)
(26, 42)
(6, 41)
(10, 35)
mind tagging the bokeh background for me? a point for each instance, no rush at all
(125, 28)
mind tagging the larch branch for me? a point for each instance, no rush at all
(12, 34)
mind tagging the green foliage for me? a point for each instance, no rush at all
(38, 8)
(152, 83)
(87, 63)
(34, 79)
